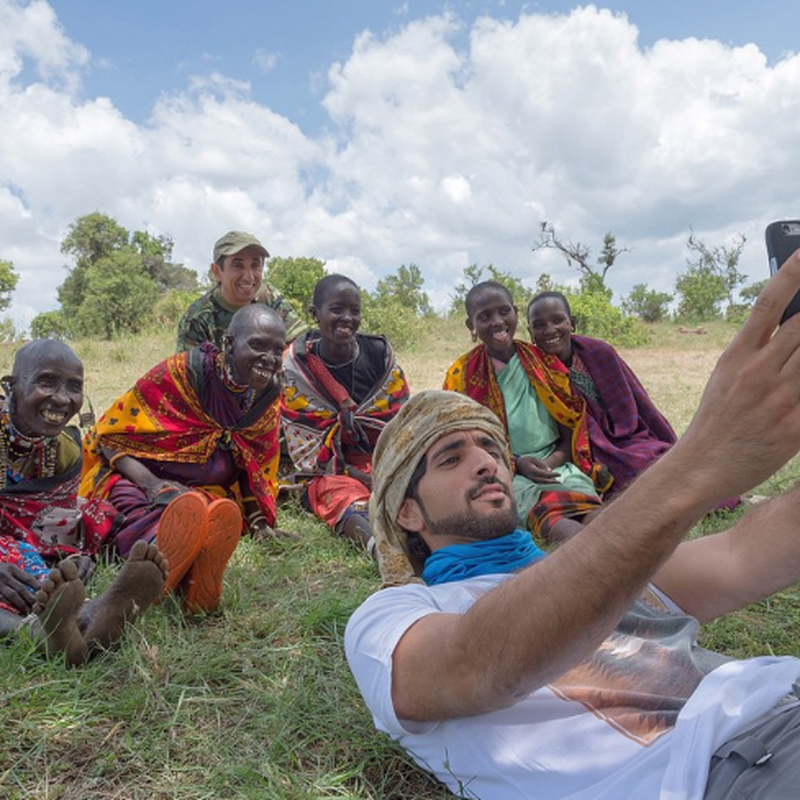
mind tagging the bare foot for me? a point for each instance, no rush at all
(138, 585)
(58, 602)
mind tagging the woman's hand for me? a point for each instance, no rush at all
(535, 470)
(160, 489)
(17, 587)
(262, 531)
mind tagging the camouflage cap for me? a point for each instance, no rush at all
(235, 241)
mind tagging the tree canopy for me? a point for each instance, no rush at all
(711, 278)
(593, 279)
(115, 280)
(8, 282)
(296, 278)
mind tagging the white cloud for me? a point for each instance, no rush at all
(265, 60)
(437, 154)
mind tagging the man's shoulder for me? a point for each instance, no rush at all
(204, 320)
(452, 597)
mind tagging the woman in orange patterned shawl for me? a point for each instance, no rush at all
(200, 426)
(556, 483)
(341, 387)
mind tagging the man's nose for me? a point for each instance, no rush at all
(484, 462)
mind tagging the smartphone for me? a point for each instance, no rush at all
(783, 238)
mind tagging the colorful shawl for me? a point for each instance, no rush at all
(626, 430)
(321, 421)
(48, 515)
(181, 411)
(474, 376)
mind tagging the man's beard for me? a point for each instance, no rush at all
(472, 526)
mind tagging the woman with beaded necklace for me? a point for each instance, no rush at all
(191, 453)
(43, 523)
(341, 387)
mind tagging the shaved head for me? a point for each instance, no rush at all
(38, 350)
(250, 317)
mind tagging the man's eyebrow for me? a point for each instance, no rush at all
(488, 441)
(454, 444)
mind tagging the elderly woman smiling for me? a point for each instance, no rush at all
(191, 453)
(44, 524)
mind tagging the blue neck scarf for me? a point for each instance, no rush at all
(458, 561)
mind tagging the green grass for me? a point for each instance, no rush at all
(257, 701)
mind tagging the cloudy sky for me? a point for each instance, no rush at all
(372, 134)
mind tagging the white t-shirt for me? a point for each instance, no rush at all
(618, 725)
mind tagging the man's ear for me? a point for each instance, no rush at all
(7, 383)
(312, 310)
(409, 516)
(216, 272)
(468, 323)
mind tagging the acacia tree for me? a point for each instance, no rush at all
(711, 279)
(593, 279)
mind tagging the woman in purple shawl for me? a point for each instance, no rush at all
(626, 431)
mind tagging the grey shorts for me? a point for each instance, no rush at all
(762, 763)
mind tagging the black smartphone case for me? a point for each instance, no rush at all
(783, 238)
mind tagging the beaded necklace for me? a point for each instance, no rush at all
(21, 454)
(226, 375)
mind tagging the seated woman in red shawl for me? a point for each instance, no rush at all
(191, 452)
(341, 387)
(626, 430)
(556, 485)
(48, 535)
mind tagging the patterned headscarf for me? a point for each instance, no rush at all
(423, 420)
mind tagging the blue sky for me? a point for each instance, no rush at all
(373, 134)
(142, 49)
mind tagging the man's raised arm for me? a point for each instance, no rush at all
(552, 615)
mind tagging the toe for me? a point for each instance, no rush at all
(138, 551)
(68, 570)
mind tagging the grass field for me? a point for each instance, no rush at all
(256, 701)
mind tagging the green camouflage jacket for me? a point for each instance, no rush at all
(207, 319)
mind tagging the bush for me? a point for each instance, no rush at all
(647, 304)
(398, 323)
(169, 308)
(49, 325)
(595, 316)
